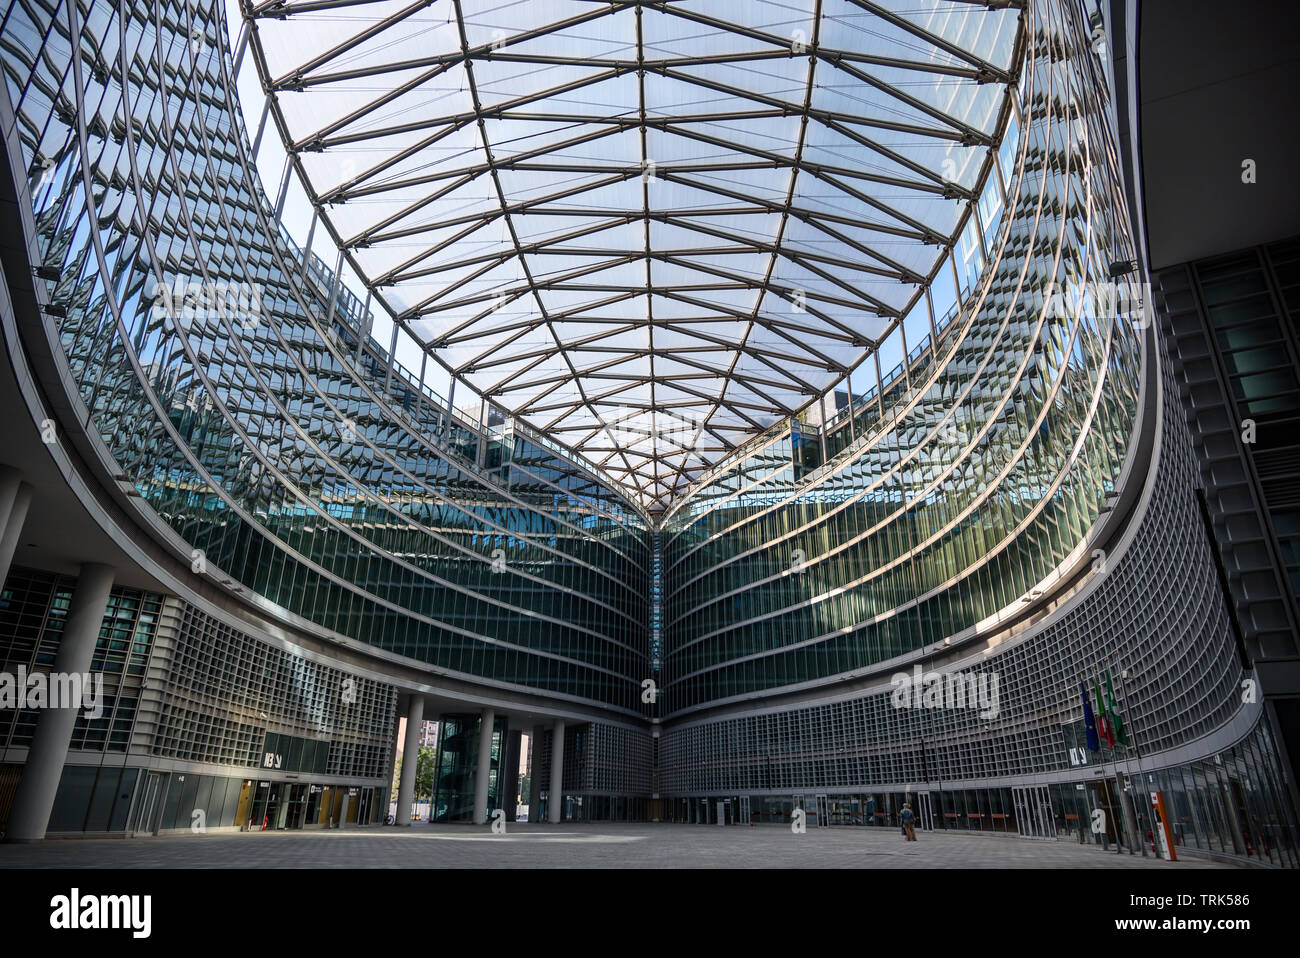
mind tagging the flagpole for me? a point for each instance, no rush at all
(1128, 774)
(1106, 736)
(1109, 741)
(943, 819)
(1096, 734)
(1137, 755)
(1122, 837)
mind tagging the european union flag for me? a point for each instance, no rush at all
(1089, 721)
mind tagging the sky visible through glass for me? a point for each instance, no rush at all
(649, 230)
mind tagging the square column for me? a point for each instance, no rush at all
(535, 773)
(555, 801)
(508, 776)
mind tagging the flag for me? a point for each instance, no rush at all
(1115, 718)
(1103, 717)
(1089, 722)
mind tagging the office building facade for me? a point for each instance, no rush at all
(989, 505)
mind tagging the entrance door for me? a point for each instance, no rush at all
(1022, 816)
(296, 806)
(1034, 817)
(244, 811)
(823, 812)
(146, 818)
(276, 806)
(1026, 805)
(745, 815)
(314, 795)
(1047, 821)
(925, 811)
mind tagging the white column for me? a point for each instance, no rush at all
(49, 749)
(410, 759)
(392, 773)
(484, 771)
(343, 809)
(10, 480)
(11, 525)
(535, 773)
(555, 801)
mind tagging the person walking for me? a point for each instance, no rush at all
(909, 822)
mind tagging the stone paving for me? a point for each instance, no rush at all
(599, 845)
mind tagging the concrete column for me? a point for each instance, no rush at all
(1126, 809)
(392, 772)
(49, 749)
(535, 773)
(11, 528)
(511, 751)
(410, 760)
(483, 773)
(555, 803)
(10, 480)
(343, 809)
(1234, 820)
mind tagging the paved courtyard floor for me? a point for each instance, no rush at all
(578, 846)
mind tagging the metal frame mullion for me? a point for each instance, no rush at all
(777, 159)
(992, 73)
(814, 219)
(521, 206)
(539, 247)
(869, 303)
(357, 39)
(443, 341)
(756, 284)
(458, 120)
(824, 117)
(756, 352)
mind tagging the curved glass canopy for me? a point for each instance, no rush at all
(647, 229)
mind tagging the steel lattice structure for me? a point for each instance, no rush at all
(647, 229)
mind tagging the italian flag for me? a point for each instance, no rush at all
(1112, 709)
(1103, 718)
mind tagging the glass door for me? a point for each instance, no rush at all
(924, 812)
(276, 807)
(296, 806)
(314, 795)
(1047, 822)
(146, 814)
(1033, 806)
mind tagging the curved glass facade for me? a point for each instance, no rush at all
(811, 556)
(252, 412)
(649, 229)
(1009, 490)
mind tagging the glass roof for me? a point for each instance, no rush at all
(649, 230)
